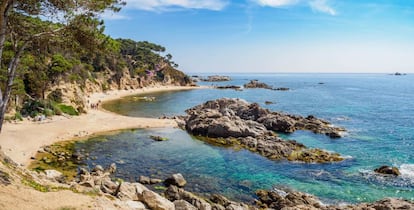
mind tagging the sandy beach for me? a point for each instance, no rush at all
(21, 140)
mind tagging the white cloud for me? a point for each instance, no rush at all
(316, 5)
(277, 3)
(161, 5)
(322, 6)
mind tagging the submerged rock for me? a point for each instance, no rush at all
(388, 170)
(235, 87)
(158, 138)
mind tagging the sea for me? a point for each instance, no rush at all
(376, 109)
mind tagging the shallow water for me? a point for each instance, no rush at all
(376, 109)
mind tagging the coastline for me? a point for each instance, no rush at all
(21, 140)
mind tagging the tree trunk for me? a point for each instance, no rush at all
(11, 74)
(5, 8)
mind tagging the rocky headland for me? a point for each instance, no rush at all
(235, 122)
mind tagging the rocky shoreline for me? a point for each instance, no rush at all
(235, 122)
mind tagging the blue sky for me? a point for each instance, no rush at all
(275, 35)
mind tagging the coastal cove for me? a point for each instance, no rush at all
(349, 100)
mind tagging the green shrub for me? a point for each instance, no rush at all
(18, 116)
(67, 109)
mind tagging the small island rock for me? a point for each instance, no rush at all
(388, 170)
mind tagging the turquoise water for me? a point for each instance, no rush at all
(377, 110)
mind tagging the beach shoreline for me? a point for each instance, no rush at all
(21, 140)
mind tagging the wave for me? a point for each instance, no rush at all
(407, 170)
(405, 180)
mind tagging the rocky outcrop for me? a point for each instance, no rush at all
(216, 78)
(257, 84)
(287, 200)
(388, 170)
(278, 199)
(236, 122)
(205, 119)
(387, 203)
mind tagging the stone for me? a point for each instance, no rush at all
(127, 191)
(136, 205)
(256, 84)
(155, 181)
(388, 170)
(54, 175)
(289, 200)
(111, 169)
(156, 202)
(183, 205)
(176, 179)
(144, 180)
(219, 199)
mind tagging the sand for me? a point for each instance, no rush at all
(20, 141)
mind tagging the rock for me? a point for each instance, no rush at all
(236, 122)
(176, 179)
(158, 138)
(107, 186)
(388, 170)
(269, 102)
(144, 180)
(175, 193)
(155, 181)
(111, 169)
(183, 205)
(235, 87)
(216, 78)
(291, 200)
(219, 199)
(281, 89)
(136, 205)
(98, 169)
(257, 84)
(127, 192)
(54, 175)
(387, 203)
(156, 202)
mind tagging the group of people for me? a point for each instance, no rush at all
(95, 105)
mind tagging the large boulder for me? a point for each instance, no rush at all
(183, 205)
(287, 200)
(177, 180)
(156, 201)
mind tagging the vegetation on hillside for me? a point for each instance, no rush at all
(37, 55)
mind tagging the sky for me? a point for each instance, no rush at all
(214, 36)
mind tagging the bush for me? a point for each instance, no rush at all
(18, 116)
(67, 109)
